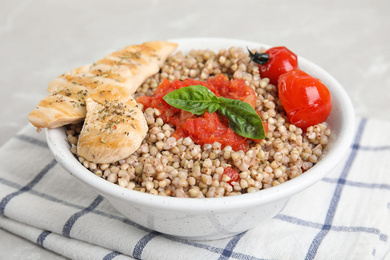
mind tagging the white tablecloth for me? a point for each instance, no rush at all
(344, 216)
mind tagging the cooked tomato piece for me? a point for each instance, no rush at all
(233, 174)
(208, 128)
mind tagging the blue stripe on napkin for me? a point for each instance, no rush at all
(72, 220)
(111, 255)
(41, 238)
(26, 188)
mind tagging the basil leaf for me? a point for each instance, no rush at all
(198, 99)
(242, 118)
(195, 99)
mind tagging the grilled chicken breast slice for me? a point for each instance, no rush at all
(127, 68)
(114, 126)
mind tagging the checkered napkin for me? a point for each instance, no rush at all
(344, 216)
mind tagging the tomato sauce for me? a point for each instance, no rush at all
(207, 128)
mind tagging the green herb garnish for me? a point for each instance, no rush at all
(242, 117)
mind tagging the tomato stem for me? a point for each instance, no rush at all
(259, 58)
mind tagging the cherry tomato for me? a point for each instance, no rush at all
(275, 62)
(306, 100)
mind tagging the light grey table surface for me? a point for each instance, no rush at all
(40, 40)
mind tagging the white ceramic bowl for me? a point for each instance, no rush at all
(214, 218)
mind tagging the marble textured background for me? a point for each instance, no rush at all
(42, 39)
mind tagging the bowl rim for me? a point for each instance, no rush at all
(60, 148)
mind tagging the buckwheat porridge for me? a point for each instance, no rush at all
(170, 166)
